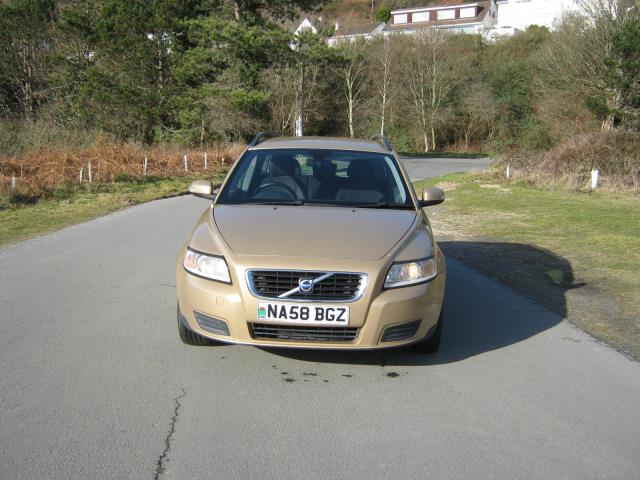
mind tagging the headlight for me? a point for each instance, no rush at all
(410, 273)
(208, 266)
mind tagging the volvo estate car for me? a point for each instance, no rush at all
(313, 242)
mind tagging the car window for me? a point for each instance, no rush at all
(331, 177)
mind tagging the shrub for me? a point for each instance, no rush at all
(48, 171)
(383, 14)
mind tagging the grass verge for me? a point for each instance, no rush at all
(24, 218)
(576, 253)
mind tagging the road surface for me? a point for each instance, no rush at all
(95, 383)
(421, 168)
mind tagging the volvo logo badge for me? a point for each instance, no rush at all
(305, 285)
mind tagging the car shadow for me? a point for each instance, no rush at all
(481, 314)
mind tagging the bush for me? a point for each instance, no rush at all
(533, 136)
(54, 172)
(616, 154)
(123, 177)
(383, 14)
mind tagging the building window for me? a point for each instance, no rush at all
(468, 12)
(420, 17)
(402, 18)
(449, 14)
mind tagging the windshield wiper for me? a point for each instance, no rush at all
(381, 205)
(278, 202)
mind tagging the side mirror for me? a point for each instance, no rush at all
(203, 189)
(431, 196)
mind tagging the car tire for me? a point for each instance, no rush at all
(190, 337)
(430, 344)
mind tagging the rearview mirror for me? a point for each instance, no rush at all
(431, 196)
(202, 189)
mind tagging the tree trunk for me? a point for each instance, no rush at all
(351, 118)
(349, 84)
(384, 108)
(433, 137)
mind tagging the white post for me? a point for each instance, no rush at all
(509, 172)
(298, 126)
(144, 167)
(205, 160)
(186, 166)
(80, 178)
(13, 182)
(595, 174)
(89, 170)
(223, 160)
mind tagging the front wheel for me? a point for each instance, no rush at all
(432, 343)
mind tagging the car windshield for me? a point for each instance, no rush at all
(314, 176)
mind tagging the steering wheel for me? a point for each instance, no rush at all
(284, 187)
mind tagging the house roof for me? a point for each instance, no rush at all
(438, 4)
(364, 28)
(483, 9)
(315, 21)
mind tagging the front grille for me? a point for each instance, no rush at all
(305, 334)
(339, 286)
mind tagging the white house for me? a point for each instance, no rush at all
(355, 31)
(455, 16)
(520, 14)
(491, 18)
(305, 25)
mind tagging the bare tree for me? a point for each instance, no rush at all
(478, 111)
(383, 75)
(282, 83)
(354, 75)
(431, 72)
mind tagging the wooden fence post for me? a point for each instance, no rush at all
(89, 171)
(205, 160)
(144, 167)
(595, 175)
(509, 172)
(80, 178)
(186, 166)
(13, 181)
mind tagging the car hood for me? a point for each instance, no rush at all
(307, 231)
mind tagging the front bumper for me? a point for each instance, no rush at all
(371, 314)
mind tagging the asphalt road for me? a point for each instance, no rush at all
(421, 168)
(95, 383)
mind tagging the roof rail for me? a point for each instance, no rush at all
(262, 136)
(382, 140)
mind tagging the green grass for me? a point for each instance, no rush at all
(594, 235)
(70, 204)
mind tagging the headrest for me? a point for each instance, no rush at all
(361, 171)
(284, 166)
(327, 169)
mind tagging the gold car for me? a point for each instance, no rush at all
(313, 242)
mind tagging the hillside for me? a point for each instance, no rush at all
(361, 9)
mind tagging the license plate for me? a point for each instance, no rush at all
(303, 314)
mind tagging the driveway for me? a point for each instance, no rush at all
(95, 383)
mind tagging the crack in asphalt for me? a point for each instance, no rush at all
(162, 459)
